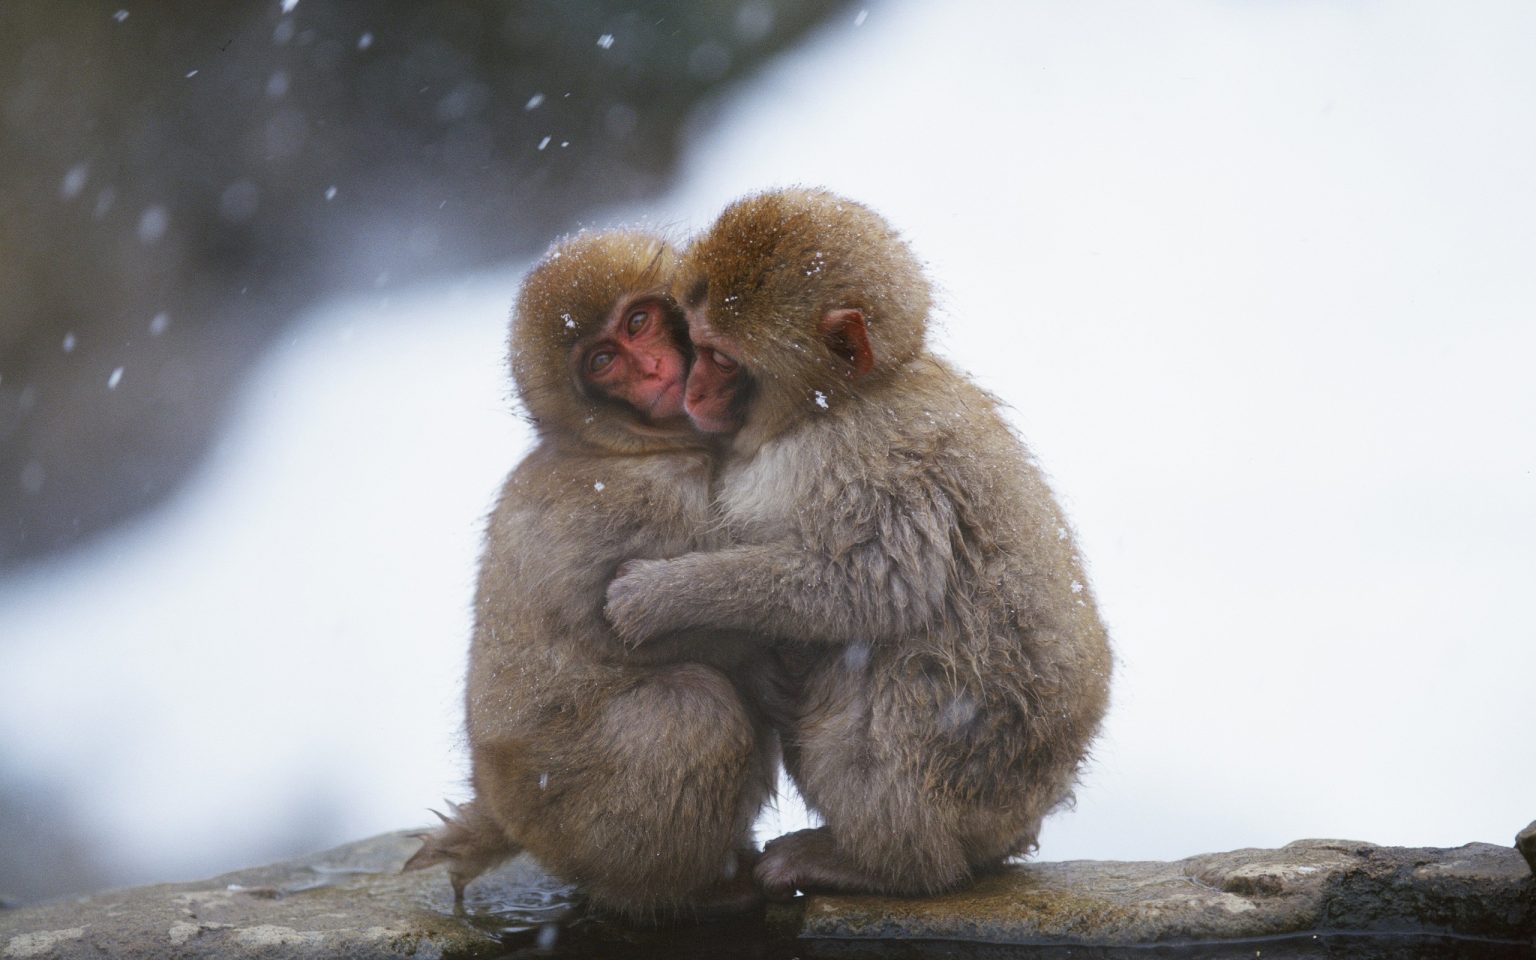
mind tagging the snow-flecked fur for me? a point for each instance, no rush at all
(898, 541)
(636, 775)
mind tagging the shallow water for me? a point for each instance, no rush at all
(773, 938)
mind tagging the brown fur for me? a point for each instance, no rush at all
(639, 780)
(903, 544)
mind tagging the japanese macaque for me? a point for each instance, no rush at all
(638, 778)
(899, 542)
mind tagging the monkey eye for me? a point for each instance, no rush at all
(636, 321)
(600, 361)
(722, 361)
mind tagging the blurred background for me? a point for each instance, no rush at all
(1254, 280)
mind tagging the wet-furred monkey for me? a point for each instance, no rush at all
(896, 540)
(636, 777)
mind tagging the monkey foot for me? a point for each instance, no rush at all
(805, 860)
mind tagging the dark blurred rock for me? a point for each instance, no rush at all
(43, 851)
(178, 179)
(1525, 842)
(1316, 896)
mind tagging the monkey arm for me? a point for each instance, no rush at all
(781, 590)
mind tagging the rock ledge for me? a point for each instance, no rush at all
(353, 902)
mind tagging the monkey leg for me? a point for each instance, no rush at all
(649, 801)
(686, 779)
(905, 811)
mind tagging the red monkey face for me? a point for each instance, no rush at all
(639, 361)
(717, 385)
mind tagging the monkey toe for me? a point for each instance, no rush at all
(775, 877)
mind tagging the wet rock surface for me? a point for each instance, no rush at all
(1478, 901)
(1306, 887)
(348, 902)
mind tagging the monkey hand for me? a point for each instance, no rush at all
(634, 601)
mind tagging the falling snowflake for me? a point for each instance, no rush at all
(152, 224)
(74, 181)
(821, 399)
(605, 41)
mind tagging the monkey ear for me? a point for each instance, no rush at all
(844, 332)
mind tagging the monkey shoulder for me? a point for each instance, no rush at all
(953, 434)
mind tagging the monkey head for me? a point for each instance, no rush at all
(599, 347)
(796, 299)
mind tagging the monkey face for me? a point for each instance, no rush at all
(796, 300)
(637, 358)
(600, 349)
(718, 385)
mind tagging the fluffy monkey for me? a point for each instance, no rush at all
(638, 779)
(897, 537)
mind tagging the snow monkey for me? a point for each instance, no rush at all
(637, 777)
(896, 537)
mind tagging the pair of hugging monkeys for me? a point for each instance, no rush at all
(762, 518)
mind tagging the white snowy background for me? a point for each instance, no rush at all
(1257, 282)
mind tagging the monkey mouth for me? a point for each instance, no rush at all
(666, 398)
(710, 423)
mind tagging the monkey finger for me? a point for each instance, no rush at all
(624, 616)
(629, 601)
